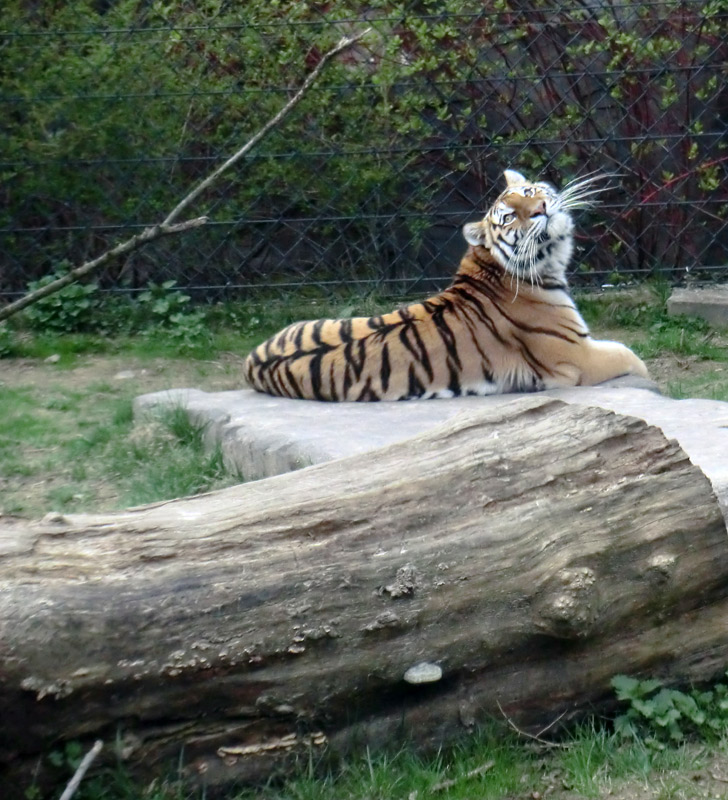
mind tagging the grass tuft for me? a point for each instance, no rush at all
(76, 451)
(592, 761)
(167, 458)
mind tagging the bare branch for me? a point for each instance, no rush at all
(344, 44)
(537, 736)
(168, 227)
(146, 236)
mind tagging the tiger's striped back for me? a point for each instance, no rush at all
(506, 323)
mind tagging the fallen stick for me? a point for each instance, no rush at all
(81, 770)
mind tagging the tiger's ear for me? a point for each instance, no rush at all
(513, 178)
(474, 233)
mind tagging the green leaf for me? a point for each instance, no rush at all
(667, 719)
(624, 726)
(625, 687)
(628, 688)
(676, 733)
(646, 708)
(686, 705)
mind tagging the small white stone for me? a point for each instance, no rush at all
(424, 672)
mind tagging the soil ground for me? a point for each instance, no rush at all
(144, 375)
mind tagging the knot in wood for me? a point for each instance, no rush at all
(661, 566)
(570, 606)
(405, 582)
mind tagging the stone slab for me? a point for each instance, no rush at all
(262, 435)
(710, 304)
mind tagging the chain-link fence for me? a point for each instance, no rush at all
(111, 110)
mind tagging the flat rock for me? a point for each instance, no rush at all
(710, 303)
(262, 435)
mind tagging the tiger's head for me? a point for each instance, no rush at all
(528, 229)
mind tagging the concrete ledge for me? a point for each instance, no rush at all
(262, 436)
(710, 304)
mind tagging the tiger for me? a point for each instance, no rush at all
(506, 323)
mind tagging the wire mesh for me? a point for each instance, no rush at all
(111, 111)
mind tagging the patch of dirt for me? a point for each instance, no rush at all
(226, 373)
(707, 779)
(666, 369)
(144, 375)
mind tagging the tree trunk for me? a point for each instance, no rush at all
(531, 552)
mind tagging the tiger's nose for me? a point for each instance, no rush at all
(539, 209)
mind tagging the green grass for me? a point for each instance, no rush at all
(640, 320)
(711, 385)
(645, 314)
(236, 326)
(73, 451)
(589, 761)
(167, 458)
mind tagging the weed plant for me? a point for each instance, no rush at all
(160, 312)
(8, 345)
(658, 714)
(68, 310)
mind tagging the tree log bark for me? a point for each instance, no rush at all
(531, 552)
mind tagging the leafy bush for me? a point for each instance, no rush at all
(116, 108)
(662, 715)
(70, 310)
(163, 302)
(167, 315)
(7, 341)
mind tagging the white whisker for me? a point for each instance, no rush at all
(578, 192)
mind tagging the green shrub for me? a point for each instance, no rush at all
(121, 106)
(7, 341)
(162, 301)
(166, 313)
(661, 715)
(70, 310)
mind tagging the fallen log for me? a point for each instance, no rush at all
(510, 561)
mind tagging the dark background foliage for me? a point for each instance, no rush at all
(110, 110)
